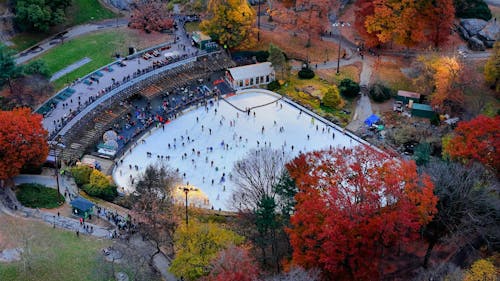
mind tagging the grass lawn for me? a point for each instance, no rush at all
(23, 41)
(294, 46)
(100, 47)
(192, 26)
(38, 196)
(82, 11)
(294, 88)
(390, 74)
(349, 71)
(55, 254)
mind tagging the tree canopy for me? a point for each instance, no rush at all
(492, 68)
(196, 245)
(40, 15)
(476, 140)
(230, 23)
(407, 22)
(150, 15)
(23, 141)
(351, 206)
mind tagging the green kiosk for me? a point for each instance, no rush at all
(82, 207)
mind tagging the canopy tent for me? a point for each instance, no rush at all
(372, 120)
(110, 135)
(82, 207)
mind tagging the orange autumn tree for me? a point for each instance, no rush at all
(405, 22)
(23, 141)
(476, 140)
(352, 207)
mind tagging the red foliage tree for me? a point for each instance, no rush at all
(439, 17)
(234, 263)
(150, 15)
(352, 206)
(476, 140)
(23, 141)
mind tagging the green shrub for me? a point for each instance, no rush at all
(349, 88)
(100, 185)
(81, 174)
(380, 93)
(331, 98)
(422, 153)
(262, 56)
(306, 73)
(34, 195)
(274, 85)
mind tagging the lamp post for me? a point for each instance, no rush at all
(258, 23)
(54, 145)
(186, 191)
(338, 25)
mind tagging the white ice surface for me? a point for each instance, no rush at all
(200, 174)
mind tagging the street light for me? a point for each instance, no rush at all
(186, 190)
(53, 145)
(338, 25)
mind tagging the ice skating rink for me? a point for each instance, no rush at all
(204, 144)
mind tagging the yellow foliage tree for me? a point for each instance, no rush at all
(483, 270)
(442, 77)
(231, 23)
(196, 245)
(332, 97)
(492, 68)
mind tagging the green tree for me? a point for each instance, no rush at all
(9, 69)
(278, 60)
(40, 15)
(349, 88)
(422, 153)
(37, 67)
(196, 245)
(230, 23)
(332, 97)
(472, 9)
(492, 68)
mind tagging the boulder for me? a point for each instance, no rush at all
(473, 26)
(463, 32)
(490, 33)
(476, 44)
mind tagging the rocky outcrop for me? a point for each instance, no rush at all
(490, 33)
(478, 33)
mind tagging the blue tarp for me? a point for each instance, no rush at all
(372, 120)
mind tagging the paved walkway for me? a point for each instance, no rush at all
(72, 32)
(86, 94)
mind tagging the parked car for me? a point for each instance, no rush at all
(398, 106)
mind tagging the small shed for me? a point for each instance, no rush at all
(200, 39)
(406, 96)
(422, 110)
(372, 120)
(82, 207)
(250, 75)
